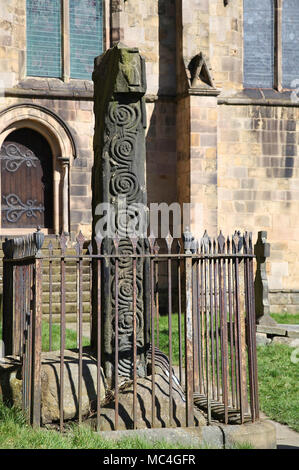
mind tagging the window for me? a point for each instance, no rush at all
(271, 40)
(290, 42)
(258, 43)
(63, 37)
(44, 38)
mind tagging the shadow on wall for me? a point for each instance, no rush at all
(161, 135)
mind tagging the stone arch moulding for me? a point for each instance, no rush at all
(62, 144)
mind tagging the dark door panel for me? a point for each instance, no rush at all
(26, 181)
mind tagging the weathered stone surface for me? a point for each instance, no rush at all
(272, 330)
(119, 178)
(11, 384)
(50, 375)
(10, 381)
(261, 287)
(292, 342)
(144, 406)
(261, 339)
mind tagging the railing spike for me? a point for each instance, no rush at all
(151, 240)
(156, 248)
(98, 240)
(63, 243)
(221, 242)
(50, 248)
(169, 240)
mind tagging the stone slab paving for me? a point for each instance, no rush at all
(286, 437)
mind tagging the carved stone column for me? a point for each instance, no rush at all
(119, 171)
(65, 194)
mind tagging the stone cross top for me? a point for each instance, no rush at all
(119, 172)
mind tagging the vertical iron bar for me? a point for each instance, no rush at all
(231, 328)
(212, 324)
(31, 349)
(202, 315)
(188, 343)
(180, 321)
(156, 248)
(169, 240)
(216, 326)
(207, 334)
(199, 333)
(37, 347)
(225, 346)
(50, 297)
(252, 327)
(239, 341)
(116, 338)
(62, 328)
(195, 316)
(80, 241)
(134, 244)
(153, 334)
(99, 300)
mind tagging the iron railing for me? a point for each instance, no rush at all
(209, 286)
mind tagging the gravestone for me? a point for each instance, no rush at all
(119, 178)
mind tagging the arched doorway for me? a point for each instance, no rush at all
(26, 181)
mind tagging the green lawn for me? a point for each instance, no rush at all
(70, 338)
(16, 434)
(279, 384)
(278, 392)
(286, 318)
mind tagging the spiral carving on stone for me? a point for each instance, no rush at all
(126, 220)
(121, 135)
(122, 149)
(125, 183)
(125, 116)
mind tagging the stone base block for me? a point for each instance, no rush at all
(144, 406)
(11, 384)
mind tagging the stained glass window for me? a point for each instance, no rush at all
(44, 38)
(290, 42)
(259, 43)
(86, 36)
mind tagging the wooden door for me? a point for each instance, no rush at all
(26, 181)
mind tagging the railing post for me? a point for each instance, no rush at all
(188, 240)
(261, 287)
(8, 317)
(37, 332)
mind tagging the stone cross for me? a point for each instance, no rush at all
(119, 174)
(261, 287)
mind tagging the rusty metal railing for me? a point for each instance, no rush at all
(207, 288)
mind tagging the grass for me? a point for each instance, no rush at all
(278, 392)
(279, 384)
(164, 336)
(15, 433)
(70, 338)
(286, 318)
(278, 376)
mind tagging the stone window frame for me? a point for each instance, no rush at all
(65, 41)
